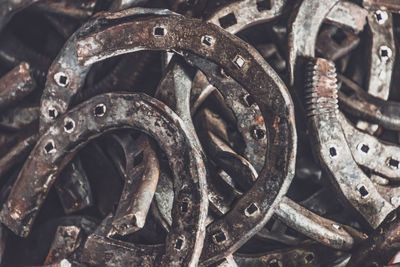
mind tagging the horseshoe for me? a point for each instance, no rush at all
(331, 148)
(156, 35)
(110, 111)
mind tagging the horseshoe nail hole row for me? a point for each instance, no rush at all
(207, 40)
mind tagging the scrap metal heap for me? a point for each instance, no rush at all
(199, 133)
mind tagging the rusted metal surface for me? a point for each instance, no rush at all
(331, 147)
(16, 85)
(178, 138)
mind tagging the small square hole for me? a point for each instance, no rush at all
(364, 148)
(251, 209)
(49, 147)
(53, 113)
(332, 152)
(363, 191)
(393, 163)
(219, 237)
(264, 5)
(179, 244)
(207, 40)
(228, 20)
(69, 125)
(159, 31)
(239, 62)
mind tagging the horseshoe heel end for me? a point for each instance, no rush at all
(15, 221)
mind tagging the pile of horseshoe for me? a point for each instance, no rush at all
(199, 133)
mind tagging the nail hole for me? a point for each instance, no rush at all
(393, 163)
(339, 36)
(381, 16)
(159, 31)
(207, 40)
(251, 209)
(184, 206)
(49, 147)
(227, 20)
(219, 237)
(385, 52)
(364, 148)
(258, 133)
(332, 152)
(53, 113)
(248, 100)
(363, 191)
(274, 263)
(264, 5)
(309, 257)
(179, 244)
(100, 110)
(239, 61)
(61, 79)
(69, 125)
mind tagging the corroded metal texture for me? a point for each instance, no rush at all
(163, 133)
